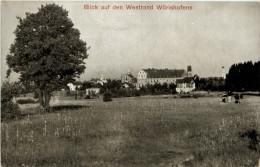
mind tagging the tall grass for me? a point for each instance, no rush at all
(135, 132)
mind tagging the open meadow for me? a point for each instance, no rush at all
(135, 131)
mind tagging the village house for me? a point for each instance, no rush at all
(75, 85)
(102, 80)
(185, 85)
(92, 91)
(161, 76)
(128, 78)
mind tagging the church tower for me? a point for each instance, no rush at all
(189, 72)
(223, 73)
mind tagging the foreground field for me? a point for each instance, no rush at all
(143, 131)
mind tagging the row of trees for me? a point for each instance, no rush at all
(210, 84)
(241, 77)
(158, 88)
(119, 90)
(115, 87)
(244, 77)
(111, 84)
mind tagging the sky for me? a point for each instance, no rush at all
(211, 35)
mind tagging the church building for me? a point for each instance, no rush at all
(161, 76)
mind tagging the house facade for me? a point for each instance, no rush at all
(92, 91)
(185, 85)
(128, 78)
(73, 86)
(161, 76)
(102, 80)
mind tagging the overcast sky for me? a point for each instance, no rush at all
(212, 35)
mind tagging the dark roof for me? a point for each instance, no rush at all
(94, 80)
(184, 80)
(77, 83)
(164, 73)
(189, 68)
(93, 88)
(130, 75)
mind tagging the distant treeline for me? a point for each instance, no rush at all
(119, 90)
(210, 84)
(158, 89)
(244, 77)
(241, 77)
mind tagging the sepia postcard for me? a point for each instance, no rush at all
(130, 84)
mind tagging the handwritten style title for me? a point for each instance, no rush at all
(137, 7)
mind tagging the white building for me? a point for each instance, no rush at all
(185, 85)
(73, 86)
(102, 80)
(128, 78)
(161, 76)
(92, 91)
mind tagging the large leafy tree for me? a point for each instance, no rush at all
(47, 50)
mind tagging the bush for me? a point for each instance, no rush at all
(114, 95)
(136, 93)
(81, 94)
(107, 96)
(185, 96)
(195, 96)
(68, 93)
(87, 97)
(9, 111)
(174, 91)
(36, 95)
(25, 101)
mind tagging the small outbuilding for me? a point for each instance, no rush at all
(92, 92)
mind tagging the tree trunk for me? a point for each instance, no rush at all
(41, 99)
(47, 98)
(44, 98)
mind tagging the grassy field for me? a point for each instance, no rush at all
(140, 131)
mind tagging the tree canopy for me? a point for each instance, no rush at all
(244, 77)
(47, 50)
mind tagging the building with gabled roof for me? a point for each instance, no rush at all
(185, 85)
(164, 73)
(128, 78)
(102, 80)
(161, 76)
(74, 85)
